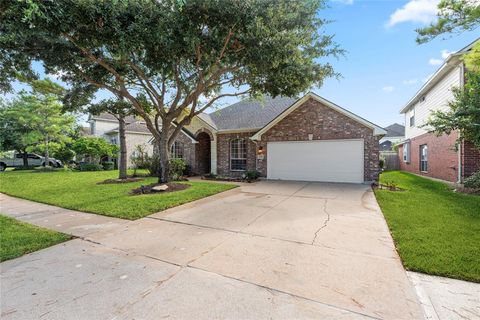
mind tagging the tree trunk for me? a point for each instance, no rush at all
(25, 158)
(47, 157)
(164, 155)
(122, 165)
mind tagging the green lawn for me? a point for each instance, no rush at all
(436, 231)
(80, 191)
(19, 238)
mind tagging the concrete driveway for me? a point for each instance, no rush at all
(289, 250)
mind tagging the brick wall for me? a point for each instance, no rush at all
(470, 159)
(442, 156)
(325, 124)
(223, 153)
(188, 150)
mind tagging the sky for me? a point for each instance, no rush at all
(383, 66)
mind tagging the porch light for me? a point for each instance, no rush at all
(260, 150)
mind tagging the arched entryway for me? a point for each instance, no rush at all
(202, 153)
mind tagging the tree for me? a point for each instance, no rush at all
(120, 109)
(464, 113)
(35, 118)
(93, 148)
(46, 114)
(170, 59)
(454, 16)
(16, 133)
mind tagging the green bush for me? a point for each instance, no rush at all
(252, 175)
(381, 163)
(90, 167)
(177, 168)
(108, 165)
(473, 181)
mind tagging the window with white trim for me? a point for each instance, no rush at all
(238, 154)
(406, 152)
(176, 150)
(412, 117)
(424, 158)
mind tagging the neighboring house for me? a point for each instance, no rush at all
(308, 139)
(423, 152)
(395, 135)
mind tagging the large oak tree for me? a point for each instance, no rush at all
(171, 59)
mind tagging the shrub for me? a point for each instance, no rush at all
(108, 165)
(473, 181)
(252, 175)
(90, 167)
(381, 163)
(153, 165)
(177, 168)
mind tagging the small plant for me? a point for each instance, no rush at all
(90, 167)
(108, 165)
(381, 163)
(473, 181)
(177, 168)
(24, 168)
(390, 185)
(252, 175)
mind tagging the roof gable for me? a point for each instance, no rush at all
(395, 130)
(376, 129)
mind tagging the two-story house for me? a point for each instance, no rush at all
(422, 152)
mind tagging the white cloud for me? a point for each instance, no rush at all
(435, 62)
(446, 53)
(388, 88)
(422, 11)
(410, 81)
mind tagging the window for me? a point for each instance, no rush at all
(412, 118)
(238, 155)
(424, 158)
(177, 150)
(113, 141)
(406, 152)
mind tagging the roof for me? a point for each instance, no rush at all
(109, 117)
(250, 113)
(134, 127)
(395, 130)
(207, 119)
(451, 62)
(377, 130)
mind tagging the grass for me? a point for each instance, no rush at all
(19, 238)
(436, 230)
(80, 191)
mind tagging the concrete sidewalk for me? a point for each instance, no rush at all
(75, 223)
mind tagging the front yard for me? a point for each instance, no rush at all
(19, 238)
(80, 191)
(436, 231)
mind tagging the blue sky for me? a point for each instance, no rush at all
(383, 66)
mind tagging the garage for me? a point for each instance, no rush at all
(319, 160)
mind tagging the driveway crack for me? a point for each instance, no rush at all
(324, 223)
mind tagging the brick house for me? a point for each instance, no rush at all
(283, 138)
(424, 153)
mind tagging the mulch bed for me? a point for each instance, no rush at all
(172, 187)
(388, 187)
(467, 190)
(113, 181)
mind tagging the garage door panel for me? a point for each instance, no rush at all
(327, 160)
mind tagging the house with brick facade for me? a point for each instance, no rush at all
(424, 153)
(307, 138)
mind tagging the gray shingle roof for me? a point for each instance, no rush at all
(395, 130)
(108, 116)
(136, 126)
(250, 113)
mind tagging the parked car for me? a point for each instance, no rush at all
(33, 160)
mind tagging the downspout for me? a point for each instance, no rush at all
(460, 148)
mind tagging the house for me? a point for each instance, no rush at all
(395, 134)
(309, 139)
(424, 153)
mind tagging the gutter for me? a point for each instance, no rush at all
(460, 149)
